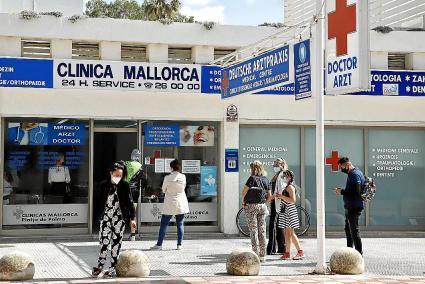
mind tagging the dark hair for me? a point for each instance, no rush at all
(120, 165)
(291, 175)
(175, 165)
(343, 160)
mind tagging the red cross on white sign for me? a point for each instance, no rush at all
(341, 22)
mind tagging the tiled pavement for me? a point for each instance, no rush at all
(202, 259)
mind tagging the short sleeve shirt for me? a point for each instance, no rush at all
(263, 182)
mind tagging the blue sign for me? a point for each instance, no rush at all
(66, 134)
(162, 135)
(26, 73)
(258, 73)
(209, 180)
(231, 159)
(210, 79)
(396, 83)
(302, 70)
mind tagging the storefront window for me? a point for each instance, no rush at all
(396, 161)
(196, 146)
(267, 144)
(338, 143)
(46, 169)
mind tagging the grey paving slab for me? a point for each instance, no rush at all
(56, 261)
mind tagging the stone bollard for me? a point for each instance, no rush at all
(133, 263)
(347, 261)
(243, 262)
(16, 266)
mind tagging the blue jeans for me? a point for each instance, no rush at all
(165, 219)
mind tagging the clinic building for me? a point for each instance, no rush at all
(87, 92)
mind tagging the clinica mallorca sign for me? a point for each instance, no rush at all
(347, 46)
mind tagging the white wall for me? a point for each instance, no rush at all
(177, 34)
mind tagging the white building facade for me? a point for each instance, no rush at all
(166, 102)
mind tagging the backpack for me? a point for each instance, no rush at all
(369, 189)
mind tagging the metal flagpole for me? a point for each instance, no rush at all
(320, 156)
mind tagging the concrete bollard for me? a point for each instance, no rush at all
(16, 266)
(347, 261)
(133, 263)
(243, 262)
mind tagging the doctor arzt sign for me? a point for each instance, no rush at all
(347, 46)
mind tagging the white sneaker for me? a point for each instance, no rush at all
(179, 247)
(156, 247)
(262, 259)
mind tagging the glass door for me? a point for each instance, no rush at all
(109, 146)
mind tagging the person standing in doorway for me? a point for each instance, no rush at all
(255, 194)
(353, 202)
(288, 219)
(175, 204)
(136, 181)
(59, 180)
(278, 184)
(117, 211)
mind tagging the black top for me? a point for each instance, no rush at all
(263, 182)
(124, 197)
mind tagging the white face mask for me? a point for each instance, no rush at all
(115, 180)
(276, 169)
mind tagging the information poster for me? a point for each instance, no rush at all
(191, 166)
(209, 180)
(159, 165)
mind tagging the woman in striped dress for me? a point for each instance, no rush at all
(288, 218)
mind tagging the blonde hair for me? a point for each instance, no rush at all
(283, 163)
(257, 169)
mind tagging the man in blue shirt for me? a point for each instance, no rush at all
(353, 202)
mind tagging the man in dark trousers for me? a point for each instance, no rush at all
(353, 202)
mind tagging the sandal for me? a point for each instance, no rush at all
(110, 274)
(96, 271)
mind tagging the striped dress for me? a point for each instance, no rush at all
(288, 218)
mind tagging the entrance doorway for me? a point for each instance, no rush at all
(109, 147)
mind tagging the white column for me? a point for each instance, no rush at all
(61, 48)
(379, 60)
(10, 46)
(415, 61)
(202, 54)
(157, 53)
(320, 137)
(230, 181)
(110, 50)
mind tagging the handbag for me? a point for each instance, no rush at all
(255, 194)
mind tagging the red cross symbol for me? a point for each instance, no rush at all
(333, 160)
(341, 22)
(224, 84)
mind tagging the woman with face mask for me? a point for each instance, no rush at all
(288, 218)
(117, 211)
(278, 184)
(59, 180)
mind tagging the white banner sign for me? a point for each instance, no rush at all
(37, 214)
(347, 46)
(89, 74)
(199, 212)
